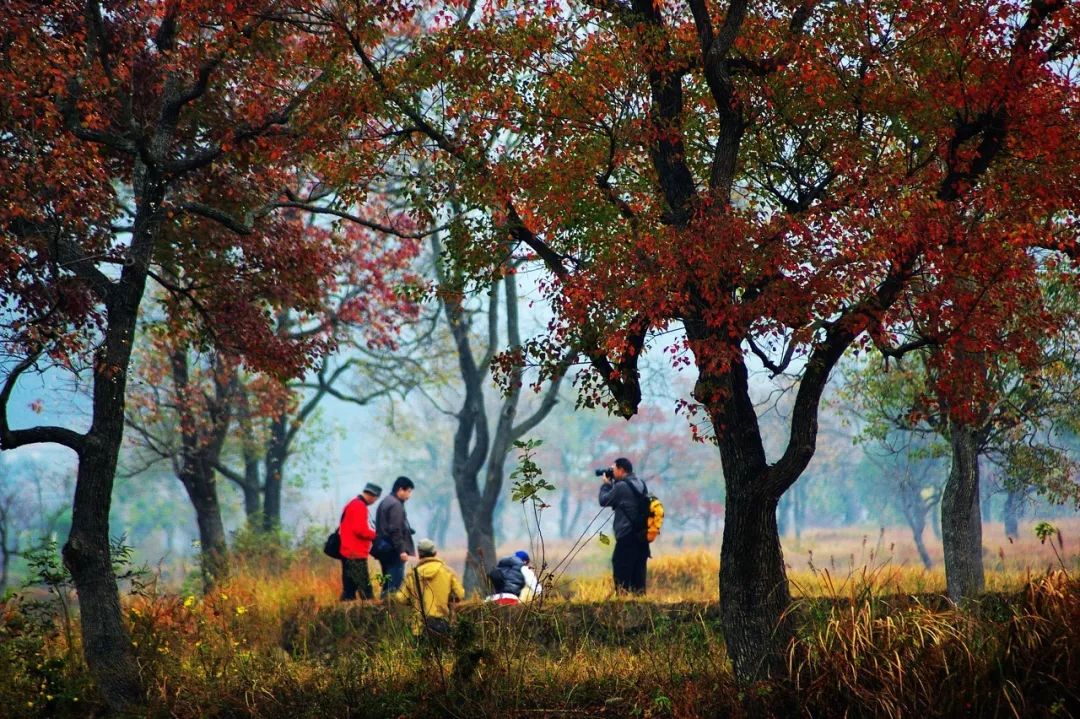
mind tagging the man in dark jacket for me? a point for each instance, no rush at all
(392, 528)
(356, 535)
(622, 491)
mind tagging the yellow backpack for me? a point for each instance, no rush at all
(651, 513)
(655, 518)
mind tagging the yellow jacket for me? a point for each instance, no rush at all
(438, 586)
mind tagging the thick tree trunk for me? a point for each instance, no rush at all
(753, 587)
(754, 596)
(481, 543)
(252, 491)
(961, 522)
(106, 641)
(1012, 511)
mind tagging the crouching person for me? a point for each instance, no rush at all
(429, 588)
(514, 580)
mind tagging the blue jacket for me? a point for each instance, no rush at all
(508, 570)
(624, 501)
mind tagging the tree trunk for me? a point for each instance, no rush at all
(200, 452)
(251, 485)
(106, 641)
(918, 526)
(754, 597)
(753, 587)
(481, 543)
(961, 522)
(5, 561)
(915, 509)
(252, 491)
(6, 550)
(1012, 511)
(276, 453)
(202, 491)
(564, 514)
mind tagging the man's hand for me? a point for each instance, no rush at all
(404, 556)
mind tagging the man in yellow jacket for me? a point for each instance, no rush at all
(436, 586)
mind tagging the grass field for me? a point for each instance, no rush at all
(874, 638)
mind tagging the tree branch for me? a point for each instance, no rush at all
(11, 439)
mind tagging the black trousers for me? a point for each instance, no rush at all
(354, 578)
(628, 564)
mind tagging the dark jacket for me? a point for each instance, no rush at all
(507, 575)
(392, 523)
(624, 502)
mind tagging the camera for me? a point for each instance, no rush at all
(605, 472)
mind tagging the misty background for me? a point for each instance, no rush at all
(853, 480)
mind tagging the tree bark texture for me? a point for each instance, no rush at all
(961, 521)
(753, 588)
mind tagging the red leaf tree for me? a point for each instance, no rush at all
(152, 141)
(767, 178)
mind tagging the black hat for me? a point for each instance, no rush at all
(373, 489)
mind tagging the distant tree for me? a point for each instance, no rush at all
(30, 511)
(1024, 407)
(191, 394)
(481, 445)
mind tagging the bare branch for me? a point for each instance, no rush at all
(370, 224)
(11, 439)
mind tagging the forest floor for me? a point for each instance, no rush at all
(874, 637)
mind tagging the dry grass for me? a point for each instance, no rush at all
(873, 640)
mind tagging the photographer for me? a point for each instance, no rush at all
(622, 491)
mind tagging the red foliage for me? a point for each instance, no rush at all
(165, 137)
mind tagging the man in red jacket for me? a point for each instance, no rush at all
(357, 532)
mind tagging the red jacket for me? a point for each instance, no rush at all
(356, 532)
